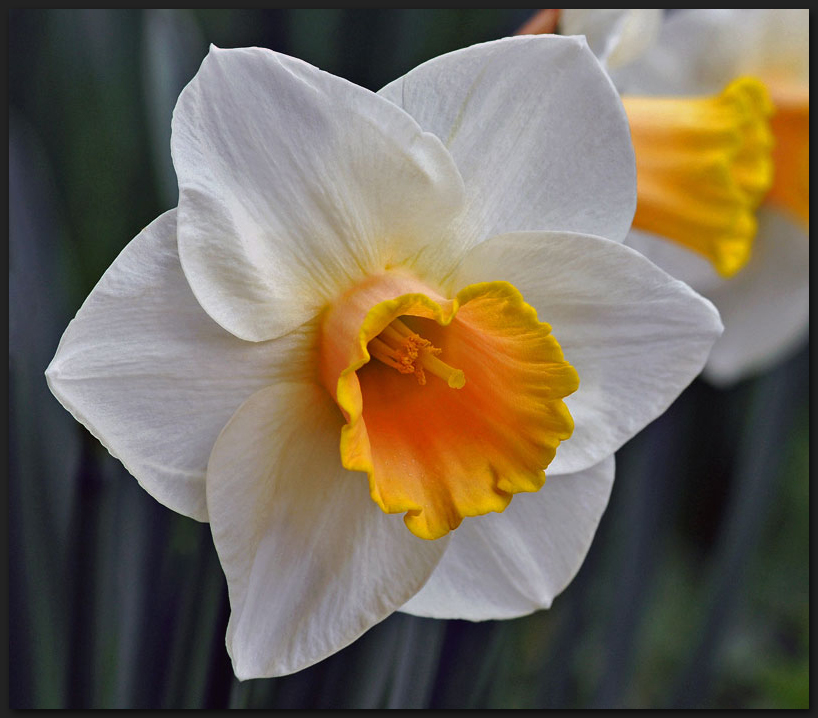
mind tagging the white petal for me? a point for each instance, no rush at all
(153, 377)
(311, 561)
(782, 46)
(636, 336)
(510, 564)
(699, 51)
(538, 133)
(765, 307)
(616, 37)
(692, 268)
(693, 55)
(294, 184)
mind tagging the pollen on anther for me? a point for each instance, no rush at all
(402, 349)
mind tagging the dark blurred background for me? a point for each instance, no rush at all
(695, 592)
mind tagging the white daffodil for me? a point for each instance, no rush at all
(719, 110)
(335, 348)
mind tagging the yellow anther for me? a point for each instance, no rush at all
(402, 349)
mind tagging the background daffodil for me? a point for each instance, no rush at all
(764, 298)
(229, 356)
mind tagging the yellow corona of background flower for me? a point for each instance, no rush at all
(703, 165)
(371, 322)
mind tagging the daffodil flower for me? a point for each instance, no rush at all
(723, 95)
(371, 322)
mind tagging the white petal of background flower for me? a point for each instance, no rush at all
(311, 561)
(616, 37)
(765, 307)
(510, 564)
(700, 50)
(636, 336)
(776, 41)
(153, 377)
(538, 133)
(293, 184)
(676, 259)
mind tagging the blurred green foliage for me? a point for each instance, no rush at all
(694, 594)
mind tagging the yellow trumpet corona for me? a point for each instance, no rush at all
(703, 166)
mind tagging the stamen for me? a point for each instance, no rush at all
(399, 347)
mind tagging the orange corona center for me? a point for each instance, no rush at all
(790, 126)
(462, 406)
